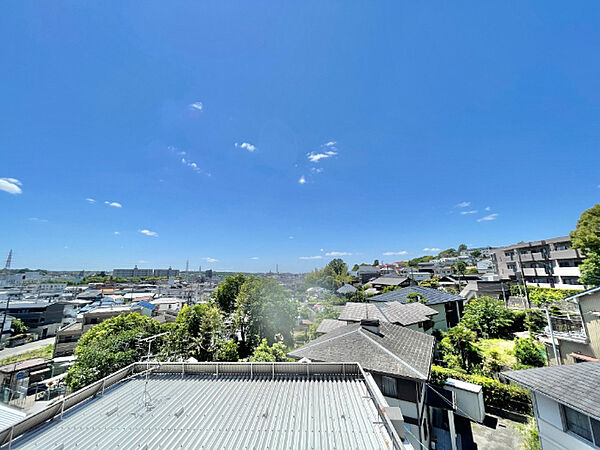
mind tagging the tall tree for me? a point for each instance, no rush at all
(461, 248)
(586, 235)
(590, 270)
(488, 317)
(227, 292)
(376, 262)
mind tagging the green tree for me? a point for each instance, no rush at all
(197, 333)
(264, 310)
(18, 327)
(448, 253)
(590, 270)
(461, 248)
(415, 297)
(276, 353)
(475, 254)
(529, 432)
(333, 276)
(227, 351)
(586, 235)
(376, 262)
(528, 353)
(227, 292)
(110, 346)
(458, 349)
(432, 282)
(488, 317)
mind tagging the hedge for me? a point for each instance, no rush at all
(499, 395)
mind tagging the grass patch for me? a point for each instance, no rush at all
(505, 349)
(43, 352)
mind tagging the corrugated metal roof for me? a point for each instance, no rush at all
(228, 411)
(9, 416)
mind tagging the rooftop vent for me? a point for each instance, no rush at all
(371, 325)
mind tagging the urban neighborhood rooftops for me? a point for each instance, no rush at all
(346, 289)
(432, 296)
(391, 349)
(393, 312)
(328, 325)
(225, 405)
(575, 385)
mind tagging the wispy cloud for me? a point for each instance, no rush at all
(302, 180)
(401, 252)
(38, 220)
(117, 233)
(208, 259)
(316, 170)
(254, 257)
(149, 233)
(291, 237)
(463, 204)
(431, 249)
(10, 185)
(338, 254)
(90, 200)
(488, 218)
(330, 144)
(246, 146)
(113, 204)
(311, 257)
(316, 157)
(196, 106)
(487, 208)
(473, 211)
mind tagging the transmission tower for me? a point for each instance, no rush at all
(8, 260)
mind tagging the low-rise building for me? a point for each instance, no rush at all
(42, 318)
(547, 263)
(566, 404)
(415, 316)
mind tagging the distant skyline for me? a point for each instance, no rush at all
(241, 136)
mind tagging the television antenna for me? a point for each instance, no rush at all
(146, 398)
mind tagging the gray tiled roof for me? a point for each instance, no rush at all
(575, 385)
(393, 312)
(396, 350)
(328, 325)
(389, 281)
(433, 296)
(346, 289)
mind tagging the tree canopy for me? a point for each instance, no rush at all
(488, 317)
(586, 235)
(227, 292)
(333, 276)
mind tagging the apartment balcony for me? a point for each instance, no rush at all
(530, 257)
(534, 272)
(570, 253)
(567, 271)
(569, 328)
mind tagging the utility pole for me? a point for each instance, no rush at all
(556, 355)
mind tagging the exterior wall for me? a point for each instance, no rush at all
(550, 426)
(587, 305)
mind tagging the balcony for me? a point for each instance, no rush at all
(569, 328)
(567, 271)
(534, 272)
(566, 254)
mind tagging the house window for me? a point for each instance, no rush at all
(388, 385)
(583, 426)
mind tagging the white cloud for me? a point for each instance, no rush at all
(117, 233)
(10, 185)
(302, 180)
(90, 200)
(291, 237)
(208, 259)
(315, 157)
(431, 249)
(38, 220)
(254, 257)
(473, 211)
(329, 144)
(311, 257)
(191, 164)
(149, 233)
(196, 106)
(401, 252)
(316, 169)
(463, 204)
(488, 218)
(246, 146)
(321, 250)
(338, 254)
(487, 208)
(113, 204)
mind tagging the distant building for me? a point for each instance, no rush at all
(566, 404)
(391, 281)
(548, 263)
(42, 318)
(366, 273)
(144, 273)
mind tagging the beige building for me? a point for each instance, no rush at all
(578, 337)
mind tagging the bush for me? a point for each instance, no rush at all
(528, 353)
(488, 317)
(495, 393)
(529, 432)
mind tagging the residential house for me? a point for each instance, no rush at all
(42, 318)
(480, 288)
(390, 281)
(220, 405)
(577, 337)
(415, 316)
(15, 379)
(566, 404)
(367, 273)
(449, 306)
(346, 289)
(328, 325)
(548, 263)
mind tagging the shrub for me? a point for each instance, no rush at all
(495, 393)
(528, 353)
(488, 317)
(529, 432)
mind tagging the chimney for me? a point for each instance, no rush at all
(371, 325)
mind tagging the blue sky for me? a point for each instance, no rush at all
(360, 128)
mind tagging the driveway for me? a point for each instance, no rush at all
(505, 436)
(8, 352)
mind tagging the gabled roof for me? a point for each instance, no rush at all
(347, 289)
(328, 325)
(433, 296)
(582, 293)
(394, 350)
(575, 385)
(390, 281)
(393, 312)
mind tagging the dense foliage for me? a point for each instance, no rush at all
(458, 349)
(333, 276)
(586, 237)
(110, 346)
(528, 353)
(227, 292)
(488, 317)
(275, 353)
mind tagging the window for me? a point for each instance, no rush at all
(583, 426)
(388, 385)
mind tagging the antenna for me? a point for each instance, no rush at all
(8, 260)
(146, 398)
(187, 266)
